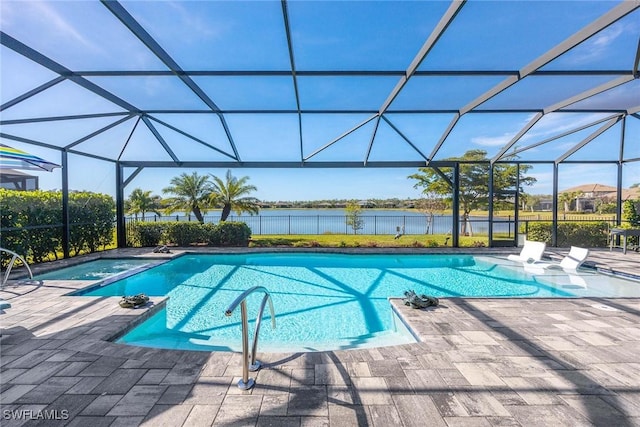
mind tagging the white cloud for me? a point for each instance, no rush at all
(49, 16)
(492, 141)
(500, 140)
(597, 46)
(198, 27)
(557, 123)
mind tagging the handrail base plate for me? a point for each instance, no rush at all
(246, 386)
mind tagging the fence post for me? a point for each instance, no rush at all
(375, 225)
(289, 224)
(318, 224)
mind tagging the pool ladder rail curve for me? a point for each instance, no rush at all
(14, 257)
(247, 383)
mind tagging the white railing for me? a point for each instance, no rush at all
(14, 257)
(246, 383)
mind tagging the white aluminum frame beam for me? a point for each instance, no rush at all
(588, 139)
(562, 135)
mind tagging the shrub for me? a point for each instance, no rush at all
(186, 233)
(230, 233)
(146, 233)
(630, 214)
(540, 231)
(589, 234)
(91, 218)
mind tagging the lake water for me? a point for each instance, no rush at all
(333, 221)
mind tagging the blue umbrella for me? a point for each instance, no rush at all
(12, 158)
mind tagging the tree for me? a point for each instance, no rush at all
(473, 192)
(567, 197)
(232, 194)
(430, 204)
(191, 193)
(353, 216)
(141, 202)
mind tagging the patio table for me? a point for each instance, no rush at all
(624, 232)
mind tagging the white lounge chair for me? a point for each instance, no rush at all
(574, 259)
(531, 252)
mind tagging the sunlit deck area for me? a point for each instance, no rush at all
(480, 362)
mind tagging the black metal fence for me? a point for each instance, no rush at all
(372, 224)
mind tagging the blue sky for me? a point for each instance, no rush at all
(326, 35)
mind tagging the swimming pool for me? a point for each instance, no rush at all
(95, 270)
(327, 301)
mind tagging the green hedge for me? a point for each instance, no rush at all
(188, 233)
(589, 234)
(185, 233)
(31, 222)
(145, 233)
(230, 234)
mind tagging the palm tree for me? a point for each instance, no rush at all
(141, 202)
(232, 195)
(567, 197)
(191, 193)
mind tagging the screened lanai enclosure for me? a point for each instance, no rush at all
(550, 87)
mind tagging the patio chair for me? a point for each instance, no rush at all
(531, 252)
(574, 259)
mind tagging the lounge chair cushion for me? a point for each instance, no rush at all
(531, 252)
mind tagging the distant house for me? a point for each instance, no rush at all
(591, 194)
(366, 204)
(15, 180)
(545, 205)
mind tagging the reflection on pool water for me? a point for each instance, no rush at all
(328, 301)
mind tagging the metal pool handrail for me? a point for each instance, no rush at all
(10, 265)
(246, 383)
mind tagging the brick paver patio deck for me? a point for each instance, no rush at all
(480, 362)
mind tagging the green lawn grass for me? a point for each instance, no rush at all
(363, 240)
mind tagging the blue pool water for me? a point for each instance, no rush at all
(94, 270)
(326, 301)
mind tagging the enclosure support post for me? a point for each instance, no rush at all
(516, 216)
(455, 206)
(619, 184)
(554, 226)
(66, 232)
(490, 205)
(120, 224)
